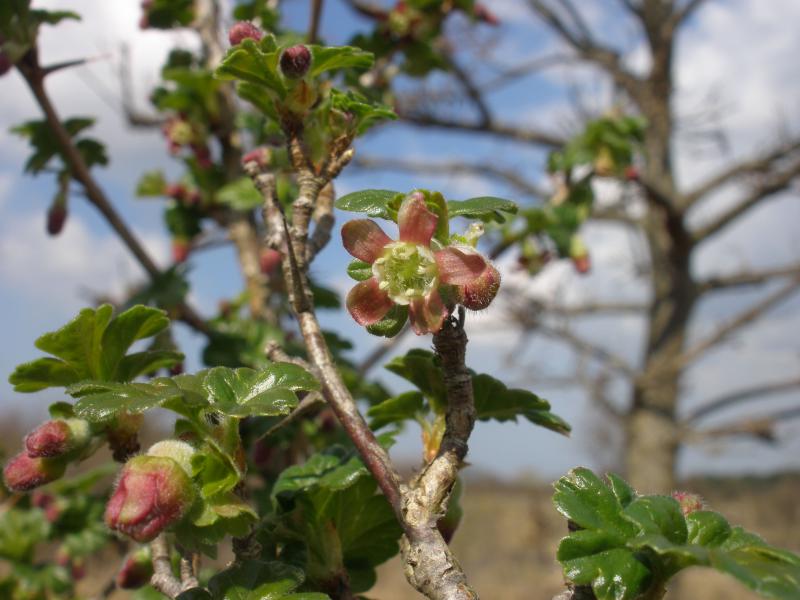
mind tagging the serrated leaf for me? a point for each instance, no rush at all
(493, 400)
(371, 202)
(485, 208)
(419, 367)
(333, 469)
(246, 392)
(258, 580)
(660, 515)
(328, 58)
(613, 574)
(404, 407)
(101, 401)
(248, 62)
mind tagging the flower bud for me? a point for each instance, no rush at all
(122, 435)
(179, 451)
(295, 61)
(58, 437)
(176, 191)
(689, 502)
(136, 571)
(579, 255)
(244, 30)
(479, 293)
(56, 217)
(153, 492)
(23, 473)
(270, 259)
(180, 249)
(260, 156)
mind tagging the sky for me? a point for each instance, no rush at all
(735, 72)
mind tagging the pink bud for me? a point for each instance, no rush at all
(153, 492)
(270, 260)
(57, 438)
(176, 191)
(23, 473)
(56, 217)
(582, 264)
(689, 502)
(260, 156)
(136, 571)
(180, 250)
(480, 292)
(244, 30)
(295, 61)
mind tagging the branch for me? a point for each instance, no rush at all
(508, 132)
(313, 27)
(471, 90)
(431, 567)
(770, 185)
(611, 360)
(163, 578)
(687, 11)
(510, 176)
(753, 166)
(745, 278)
(745, 317)
(369, 9)
(31, 71)
(732, 399)
(762, 429)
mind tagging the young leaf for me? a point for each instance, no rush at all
(391, 324)
(404, 407)
(328, 58)
(259, 580)
(485, 208)
(240, 195)
(359, 270)
(372, 202)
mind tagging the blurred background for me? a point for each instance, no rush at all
(715, 369)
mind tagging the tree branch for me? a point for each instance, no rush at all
(769, 185)
(739, 397)
(754, 166)
(611, 360)
(745, 317)
(745, 278)
(509, 176)
(163, 578)
(430, 566)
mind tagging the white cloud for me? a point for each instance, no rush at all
(59, 272)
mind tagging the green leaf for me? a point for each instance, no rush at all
(93, 346)
(240, 194)
(407, 406)
(485, 208)
(260, 580)
(101, 401)
(418, 366)
(364, 112)
(391, 324)
(359, 270)
(328, 58)
(245, 392)
(582, 497)
(613, 574)
(249, 63)
(660, 515)
(151, 183)
(493, 400)
(372, 202)
(333, 469)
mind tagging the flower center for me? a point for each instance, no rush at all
(406, 271)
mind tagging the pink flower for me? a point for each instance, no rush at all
(409, 272)
(23, 472)
(58, 438)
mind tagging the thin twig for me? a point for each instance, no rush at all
(163, 578)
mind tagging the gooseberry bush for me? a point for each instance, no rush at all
(279, 453)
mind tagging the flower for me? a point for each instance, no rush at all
(295, 61)
(58, 437)
(244, 30)
(153, 492)
(410, 272)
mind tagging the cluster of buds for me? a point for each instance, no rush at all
(180, 133)
(48, 449)
(182, 194)
(415, 271)
(51, 505)
(76, 565)
(154, 491)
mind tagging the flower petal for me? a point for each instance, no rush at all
(368, 303)
(416, 222)
(459, 267)
(364, 239)
(427, 314)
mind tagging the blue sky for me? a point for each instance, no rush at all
(738, 51)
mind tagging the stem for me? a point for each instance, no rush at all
(163, 579)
